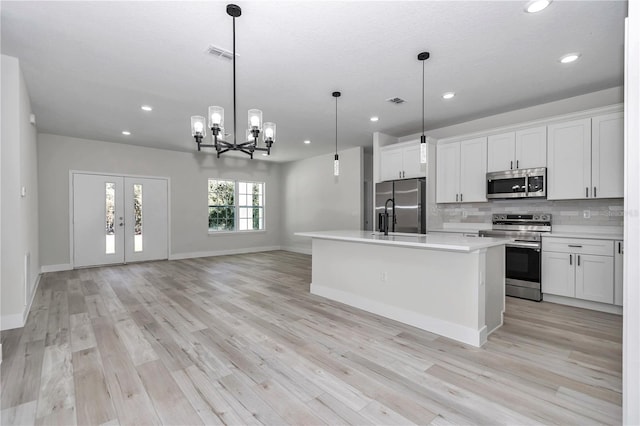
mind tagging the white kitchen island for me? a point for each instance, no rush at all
(447, 284)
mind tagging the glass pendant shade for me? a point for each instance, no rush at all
(423, 152)
(255, 119)
(216, 116)
(269, 131)
(336, 166)
(197, 126)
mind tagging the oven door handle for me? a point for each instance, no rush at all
(523, 244)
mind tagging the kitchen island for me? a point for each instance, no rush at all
(447, 284)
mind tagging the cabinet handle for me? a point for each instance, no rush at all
(403, 173)
(594, 192)
(586, 192)
(460, 197)
(456, 197)
(517, 164)
(578, 260)
(619, 248)
(575, 245)
(511, 166)
(570, 259)
(399, 174)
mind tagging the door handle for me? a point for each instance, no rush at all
(575, 245)
(570, 259)
(578, 260)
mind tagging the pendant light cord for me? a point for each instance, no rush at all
(422, 98)
(235, 115)
(336, 126)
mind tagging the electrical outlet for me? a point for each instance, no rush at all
(586, 214)
(383, 277)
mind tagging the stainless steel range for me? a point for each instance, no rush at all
(522, 262)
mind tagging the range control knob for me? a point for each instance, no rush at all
(544, 217)
(537, 217)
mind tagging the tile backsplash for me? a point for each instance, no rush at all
(604, 212)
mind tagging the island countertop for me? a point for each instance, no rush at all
(433, 241)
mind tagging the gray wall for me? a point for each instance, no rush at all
(188, 192)
(315, 200)
(19, 227)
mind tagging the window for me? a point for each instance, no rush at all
(235, 205)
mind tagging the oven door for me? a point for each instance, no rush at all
(522, 275)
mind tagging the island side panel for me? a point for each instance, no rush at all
(495, 287)
(438, 291)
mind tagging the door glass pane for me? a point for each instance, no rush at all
(137, 217)
(110, 210)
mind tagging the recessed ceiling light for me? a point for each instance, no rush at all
(374, 119)
(307, 142)
(448, 95)
(537, 5)
(146, 108)
(569, 57)
(126, 132)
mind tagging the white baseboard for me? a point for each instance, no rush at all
(586, 304)
(301, 250)
(434, 325)
(56, 268)
(179, 256)
(8, 322)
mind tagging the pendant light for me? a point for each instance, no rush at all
(216, 118)
(423, 56)
(336, 162)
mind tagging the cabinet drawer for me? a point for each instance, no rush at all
(578, 246)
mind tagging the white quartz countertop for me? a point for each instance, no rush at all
(434, 241)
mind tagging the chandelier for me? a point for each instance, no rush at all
(215, 118)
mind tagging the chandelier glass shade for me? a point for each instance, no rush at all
(256, 129)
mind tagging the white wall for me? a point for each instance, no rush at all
(631, 320)
(315, 200)
(57, 155)
(19, 227)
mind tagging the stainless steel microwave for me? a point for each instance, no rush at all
(520, 183)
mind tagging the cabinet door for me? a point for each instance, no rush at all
(411, 166)
(594, 278)
(448, 173)
(607, 156)
(617, 272)
(391, 164)
(569, 160)
(501, 152)
(473, 170)
(558, 273)
(531, 148)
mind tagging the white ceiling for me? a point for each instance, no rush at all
(89, 66)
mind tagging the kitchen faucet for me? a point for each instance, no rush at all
(385, 223)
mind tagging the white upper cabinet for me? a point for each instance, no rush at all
(501, 152)
(401, 161)
(586, 158)
(607, 156)
(523, 149)
(569, 160)
(461, 169)
(473, 170)
(531, 148)
(448, 173)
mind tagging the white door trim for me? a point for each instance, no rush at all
(71, 234)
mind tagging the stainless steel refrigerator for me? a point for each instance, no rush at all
(406, 211)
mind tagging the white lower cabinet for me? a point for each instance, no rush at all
(580, 268)
(617, 272)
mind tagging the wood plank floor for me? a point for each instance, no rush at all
(239, 340)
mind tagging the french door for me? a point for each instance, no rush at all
(119, 219)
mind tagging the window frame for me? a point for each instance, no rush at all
(236, 207)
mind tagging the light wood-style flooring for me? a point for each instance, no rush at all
(239, 340)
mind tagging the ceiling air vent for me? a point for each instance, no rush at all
(220, 52)
(396, 100)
